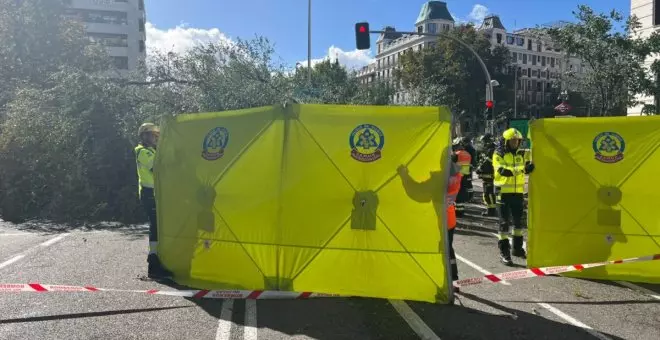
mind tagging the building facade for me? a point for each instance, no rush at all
(648, 14)
(119, 25)
(536, 63)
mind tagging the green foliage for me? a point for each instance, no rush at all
(67, 129)
(449, 74)
(614, 52)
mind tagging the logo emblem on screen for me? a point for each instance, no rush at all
(609, 147)
(366, 143)
(215, 143)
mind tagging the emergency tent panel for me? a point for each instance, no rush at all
(594, 195)
(306, 198)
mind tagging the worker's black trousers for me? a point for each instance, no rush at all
(452, 256)
(511, 210)
(464, 194)
(149, 204)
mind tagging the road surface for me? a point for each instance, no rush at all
(114, 257)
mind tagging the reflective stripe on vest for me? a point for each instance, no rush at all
(464, 160)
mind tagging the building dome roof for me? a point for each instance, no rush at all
(434, 10)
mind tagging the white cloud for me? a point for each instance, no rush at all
(478, 13)
(180, 38)
(351, 59)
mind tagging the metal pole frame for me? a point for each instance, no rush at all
(489, 86)
(309, 42)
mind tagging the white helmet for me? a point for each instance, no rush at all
(147, 127)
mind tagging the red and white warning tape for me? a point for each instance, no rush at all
(535, 272)
(262, 295)
(197, 294)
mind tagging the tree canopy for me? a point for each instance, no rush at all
(614, 52)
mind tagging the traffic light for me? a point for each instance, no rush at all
(362, 38)
(489, 109)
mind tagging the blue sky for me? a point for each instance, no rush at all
(284, 22)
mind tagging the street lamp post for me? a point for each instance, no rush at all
(515, 92)
(490, 83)
(309, 42)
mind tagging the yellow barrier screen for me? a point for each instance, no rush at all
(594, 195)
(305, 198)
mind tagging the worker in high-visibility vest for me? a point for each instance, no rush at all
(485, 172)
(145, 153)
(465, 162)
(511, 164)
(453, 188)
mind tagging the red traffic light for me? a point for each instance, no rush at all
(489, 104)
(362, 29)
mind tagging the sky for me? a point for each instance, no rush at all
(176, 25)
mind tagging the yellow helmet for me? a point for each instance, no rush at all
(148, 127)
(512, 134)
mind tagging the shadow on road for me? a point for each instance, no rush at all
(458, 322)
(135, 230)
(88, 315)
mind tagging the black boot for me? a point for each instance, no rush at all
(505, 252)
(518, 250)
(155, 268)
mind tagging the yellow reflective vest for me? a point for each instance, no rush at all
(514, 163)
(145, 166)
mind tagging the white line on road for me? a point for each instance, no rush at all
(573, 321)
(224, 324)
(43, 245)
(250, 329)
(53, 240)
(413, 320)
(11, 260)
(483, 271)
(640, 289)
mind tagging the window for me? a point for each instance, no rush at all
(514, 56)
(524, 72)
(529, 44)
(534, 73)
(433, 28)
(510, 39)
(109, 39)
(120, 62)
(520, 41)
(420, 29)
(529, 71)
(141, 25)
(542, 61)
(543, 74)
(99, 17)
(552, 61)
(538, 47)
(656, 12)
(499, 38)
(141, 45)
(533, 60)
(524, 58)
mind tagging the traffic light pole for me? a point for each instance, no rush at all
(490, 124)
(309, 42)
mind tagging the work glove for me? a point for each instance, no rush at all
(505, 172)
(529, 167)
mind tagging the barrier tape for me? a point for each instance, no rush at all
(265, 294)
(544, 271)
(196, 294)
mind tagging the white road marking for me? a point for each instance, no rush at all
(250, 329)
(640, 289)
(413, 320)
(43, 245)
(53, 240)
(483, 271)
(573, 321)
(224, 324)
(11, 260)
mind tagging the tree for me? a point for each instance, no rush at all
(449, 74)
(614, 59)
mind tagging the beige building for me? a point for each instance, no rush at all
(539, 63)
(648, 13)
(119, 25)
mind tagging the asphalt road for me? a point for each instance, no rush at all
(114, 257)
